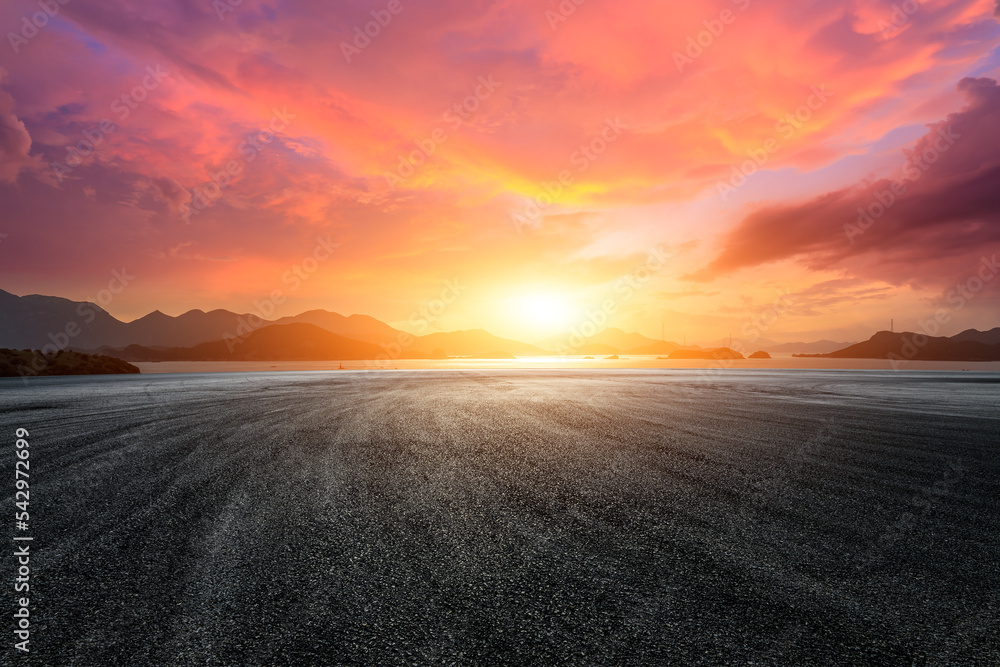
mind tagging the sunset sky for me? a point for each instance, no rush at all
(689, 163)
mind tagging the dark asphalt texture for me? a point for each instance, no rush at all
(510, 517)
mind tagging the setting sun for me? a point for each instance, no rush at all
(542, 312)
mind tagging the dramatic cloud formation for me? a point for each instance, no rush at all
(942, 206)
(15, 142)
(516, 145)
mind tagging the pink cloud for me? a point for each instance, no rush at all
(926, 226)
(559, 84)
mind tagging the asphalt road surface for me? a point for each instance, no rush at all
(510, 517)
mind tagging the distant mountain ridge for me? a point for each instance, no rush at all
(281, 342)
(659, 347)
(359, 327)
(54, 323)
(191, 328)
(719, 353)
(910, 346)
(818, 347)
(612, 340)
(609, 338)
(991, 337)
(475, 341)
(35, 321)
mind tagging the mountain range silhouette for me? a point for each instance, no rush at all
(54, 323)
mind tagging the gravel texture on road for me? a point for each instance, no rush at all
(511, 517)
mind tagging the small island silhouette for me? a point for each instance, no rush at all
(717, 353)
(26, 363)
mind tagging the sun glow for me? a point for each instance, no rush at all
(542, 312)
